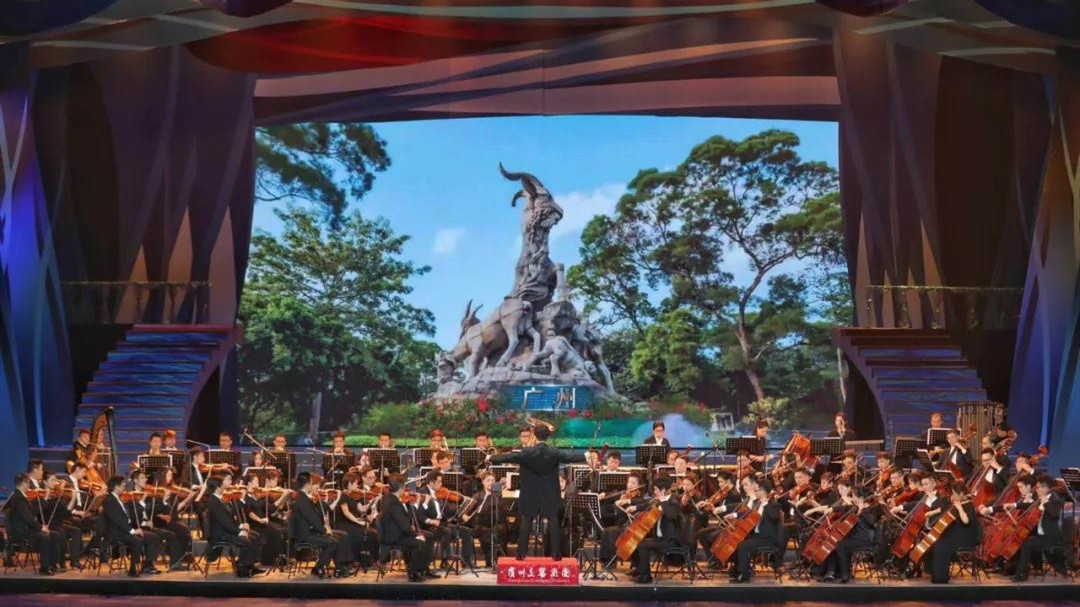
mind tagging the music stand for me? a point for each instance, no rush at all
(388, 460)
(260, 471)
(582, 479)
(589, 504)
(1071, 476)
(422, 456)
(220, 456)
(651, 455)
(285, 462)
(832, 446)
(453, 480)
(153, 463)
(937, 437)
(336, 464)
(612, 481)
(665, 469)
(472, 457)
(515, 481)
(904, 448)
(750, 444)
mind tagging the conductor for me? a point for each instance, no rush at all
(539, 487)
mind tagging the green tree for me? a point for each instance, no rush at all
(325, 312)
(668, 360)
(326, 164)
(755, 201)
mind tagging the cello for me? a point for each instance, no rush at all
(636, 531)
(940, 526)
(910, 531)
(1010, 544)
(727, 541)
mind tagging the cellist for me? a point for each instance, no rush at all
(726, 499)
(1025, 486)
(934, 506)
(628, 504)
(993, 471)
(859, 538)
(666, 532)
(1047, 534)
(961, 534)
(765, 532)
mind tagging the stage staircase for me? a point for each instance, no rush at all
(912, 373)
(152, 379)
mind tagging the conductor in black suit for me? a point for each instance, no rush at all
(539, 487)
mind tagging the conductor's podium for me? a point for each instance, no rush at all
(538, 571)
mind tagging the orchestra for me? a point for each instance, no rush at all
(817, 515)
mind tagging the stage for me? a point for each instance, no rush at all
(483, 587)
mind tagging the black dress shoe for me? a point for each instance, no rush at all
(342, 572)
(741, 579)
(1019, 578)
(416, 577)
(177, 566)
(519, 557)
(45, 571)
(59, 569)
(319, 572)
(643, 579)
(150, 571)
(133, 573)
(78, 566)
(844, 580)
(431, 574)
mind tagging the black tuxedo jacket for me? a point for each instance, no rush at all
(394, 522)
(118, 519)
(21, 520)
(223, 525)
(309, 519)
(652, 441)
(539, 469)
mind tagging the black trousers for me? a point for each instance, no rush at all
(553, 529)
(646, 549)
(483, 532)
(42, 543)
(72, 536)
(1032, 547)
(705, 538)
(273, 542)
(141, 549)
(940, 557)
(167, 539)
(418, 554)
(839, 561)
(362, 540)
(608, 537)
(334, 546)
(246, 549)
(746, 547)
(182, 533)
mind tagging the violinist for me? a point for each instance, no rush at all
(885, 468)
(68, 537)
(725, 499)
(35, 470)
(275, 505)
(1047, 534)
(861, 537)
(624, 505)
(122, 528)
(850, 470)
(682, 466)
(758, 457)
(144, 511)
(797, 497)
(437, 514)
(657, 436)
(766, 532)
(24, 526)
(961, 534)
(167, 509)
(256, 508)
(664, 535)
(896, 486)
(195, 475)
(397, 524)
(76, 510)
(354, 511)
(442, 461)
(313, 527)
(957, 456)
(483, 515)
(224, 527)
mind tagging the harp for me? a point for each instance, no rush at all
(103, 421)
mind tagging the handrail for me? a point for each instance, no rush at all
(943, 306)
(102, 301)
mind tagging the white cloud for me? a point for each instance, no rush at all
(447, 240)
(580, 207)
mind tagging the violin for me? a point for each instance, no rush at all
(445, 494)
(132, 496)
(272, 492)
(233, 494)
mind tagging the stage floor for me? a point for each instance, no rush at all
(483, 587)
(75, 600)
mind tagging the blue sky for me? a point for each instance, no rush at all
(444, 189)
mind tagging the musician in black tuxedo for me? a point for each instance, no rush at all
(397, 527)
(667, 532)
(310, 525)
(958, 454)
(994, 471)
(767, 531)
(146, 510)
(23, 526)
(225, 529)
(539, 470)
(963, 533)
(1047, 534)
(120, 528)
(657, 437)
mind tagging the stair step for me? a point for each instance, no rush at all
(165, 356)
(113, 387)
(910, 393)
(136, 399)
(148, 367)
(144, 378)
(941, 371)
(156, 336)
(937, 353)
(165, 348)
(962, 383)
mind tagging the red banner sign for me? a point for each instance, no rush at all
(538, 571)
